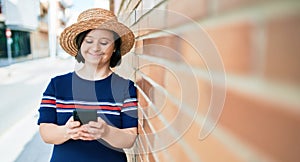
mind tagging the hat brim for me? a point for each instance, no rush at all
(67, 37)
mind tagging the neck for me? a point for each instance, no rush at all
(91, 72)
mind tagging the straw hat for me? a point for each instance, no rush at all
(96, 18)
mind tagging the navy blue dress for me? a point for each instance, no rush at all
(115, 100)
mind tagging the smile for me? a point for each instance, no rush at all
(96, 55)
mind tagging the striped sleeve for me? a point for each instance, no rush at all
(47, 111)
(129, 111)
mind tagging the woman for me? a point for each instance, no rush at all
(99, 41)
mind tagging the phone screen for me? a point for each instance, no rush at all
(84, 116)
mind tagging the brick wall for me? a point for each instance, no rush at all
(217, 80)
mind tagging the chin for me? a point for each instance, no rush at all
(96, 62)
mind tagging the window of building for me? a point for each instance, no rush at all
(0, 6)
(3, 47)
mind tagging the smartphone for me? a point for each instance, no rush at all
(84, 116)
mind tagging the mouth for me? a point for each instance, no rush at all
(96, 54)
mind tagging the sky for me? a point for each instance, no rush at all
(81, 5)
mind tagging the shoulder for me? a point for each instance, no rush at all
(121, 83)
(121, 80)
(124, 87)
(62, 77)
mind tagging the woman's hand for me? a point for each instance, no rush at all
(94, 130)
(72, 129)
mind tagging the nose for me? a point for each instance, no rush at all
(96, 47)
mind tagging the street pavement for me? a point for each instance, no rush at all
(21, 88)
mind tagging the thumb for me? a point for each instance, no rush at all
(100, 119)
(72, 123)
(71, 119)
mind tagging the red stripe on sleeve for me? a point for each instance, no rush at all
(48, 101)
(130, 104)
(72, 106)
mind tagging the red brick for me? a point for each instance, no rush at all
(142, 65)
(185, 12)
(177, 153)
(178, 83)
(160, 106)
(181, 82)
(235, 4)
(208, 148)
(146, 151)
(160, 155)
(235, 45)
(212, 47)
(205, 93)
(172, 85)
(142, 31)
(169, 111)
(180, 48)
(157, 19)
(145, 86)
(151, 19)
(164, 47)
(161, 102)
(163, 108)
(144, 135)
(205, 150)
(138, 47)
(146, 25)
(266, 126)
(282, 49)
(155, 71)
(190, 54)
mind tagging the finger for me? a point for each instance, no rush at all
(86, 136)
(70, 119)
(100, 119)
(94, 124)
(83, 128)
(93, 131)
(99, 124)
(72, 131)
(75, 124)
(75, 136)
(71, 123)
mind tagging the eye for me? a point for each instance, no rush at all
(104, 43)
(89, 41)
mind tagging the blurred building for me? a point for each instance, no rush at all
(217, 80)
(21, 18)
(28, 21)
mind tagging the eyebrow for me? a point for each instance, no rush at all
(100, 38)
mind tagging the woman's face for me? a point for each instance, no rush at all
(97, 47)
